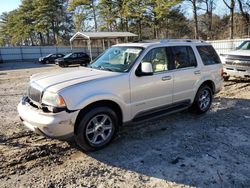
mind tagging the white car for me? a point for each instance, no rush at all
(237, 63)
(128, 83)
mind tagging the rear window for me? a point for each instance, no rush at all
(208, 55)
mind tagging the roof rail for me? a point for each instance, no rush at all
(182, 40)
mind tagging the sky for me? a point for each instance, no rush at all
(9, 5)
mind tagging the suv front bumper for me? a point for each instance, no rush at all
(54, 125)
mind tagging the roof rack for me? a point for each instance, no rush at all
(182, 40)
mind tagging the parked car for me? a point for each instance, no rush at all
(50, 58)
(74, 58)
(128, 83)
(237, 63)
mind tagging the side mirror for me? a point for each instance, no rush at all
(146, 69)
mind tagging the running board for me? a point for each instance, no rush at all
(162, 111)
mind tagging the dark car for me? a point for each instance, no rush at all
(50, 58)
(74, 58)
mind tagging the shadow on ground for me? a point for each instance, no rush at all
(207, 150)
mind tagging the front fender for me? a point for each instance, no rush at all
(87, 100)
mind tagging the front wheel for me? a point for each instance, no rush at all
(96, 128)
(203, 100)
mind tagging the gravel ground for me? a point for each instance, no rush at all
(180, 150)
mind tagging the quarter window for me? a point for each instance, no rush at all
(183, 56)
(158, 58)
(208, 55)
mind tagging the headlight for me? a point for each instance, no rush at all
(53, 99)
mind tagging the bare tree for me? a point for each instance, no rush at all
(210, 6)
(245, 13)
(194, 7)
(231, 7)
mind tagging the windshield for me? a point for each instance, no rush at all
(68, 55)
(48, 55)
(244, 46)
(117, 58)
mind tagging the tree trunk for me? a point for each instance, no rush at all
(232, 20)
(41, 38)
(139, 27)
(196, 31)
(94, 15)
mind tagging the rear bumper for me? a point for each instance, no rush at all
(54, 125)
(237, 71)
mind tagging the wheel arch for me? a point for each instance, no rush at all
(107, 103)
(210, 84)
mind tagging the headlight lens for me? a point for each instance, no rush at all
(53, 99)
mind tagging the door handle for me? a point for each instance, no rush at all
(197, 72)
(166, 78)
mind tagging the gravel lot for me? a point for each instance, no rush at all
(180, 150)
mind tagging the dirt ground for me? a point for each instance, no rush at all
(180, 150)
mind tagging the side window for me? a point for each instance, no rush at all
(183, 56)
(53, 56)
(74, 56)
(59, 55)
(208, 55)
(158, 58)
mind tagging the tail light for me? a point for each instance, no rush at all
(222, 73)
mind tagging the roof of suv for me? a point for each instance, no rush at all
(146, 44)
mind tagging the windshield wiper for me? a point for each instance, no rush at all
(105, 68)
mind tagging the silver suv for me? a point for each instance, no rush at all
(128, 83)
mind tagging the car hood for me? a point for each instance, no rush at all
(239, 53)
(59, 80)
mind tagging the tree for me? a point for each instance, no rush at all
(208, 18)
(90, 5)
(231, 7)
(194, 7)
(244, 7)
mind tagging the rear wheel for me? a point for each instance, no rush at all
(203, 100)
(96, 128)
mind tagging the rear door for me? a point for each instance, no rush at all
(186, 73)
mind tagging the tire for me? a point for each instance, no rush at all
(203, 100)
(226, 78)
(61, 65)
(90, 134)
(65, 64)
(47, 62)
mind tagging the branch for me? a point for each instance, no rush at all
(226, 4)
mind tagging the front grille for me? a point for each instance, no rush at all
(238, 57)
(34, 93)
(238, 63)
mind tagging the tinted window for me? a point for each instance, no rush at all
(208, 55)
(183, 56)
(80, 55)
(158, 58)
(73, 56)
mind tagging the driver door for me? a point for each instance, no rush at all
(154, 91)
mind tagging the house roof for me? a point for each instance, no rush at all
(101, 35)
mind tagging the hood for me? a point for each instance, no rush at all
(238, 53)
(58, 80)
